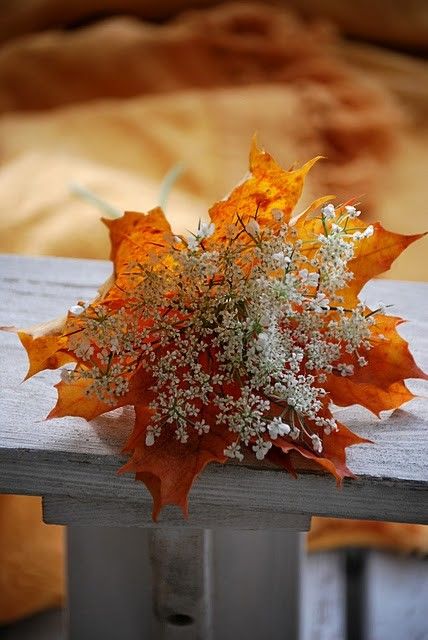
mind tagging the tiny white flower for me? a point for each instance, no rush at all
(345, 369)
(278, 428)
(352, 211)
(262, 340)
(206, 229)
(234, 451)
(252, 227)
(309, 277)
(320, 303)
(261, 448)
(193, 243)
(202, 427)
(76, 309)
(150, 438)
(281, 258)
(316, 443)
(277, 215)
(369, 231)
(328, 211)
(303, 273)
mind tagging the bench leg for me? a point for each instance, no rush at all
(168, 584)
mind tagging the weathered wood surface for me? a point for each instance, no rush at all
(71, 458)
(109, 513)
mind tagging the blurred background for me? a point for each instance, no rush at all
(112, 95)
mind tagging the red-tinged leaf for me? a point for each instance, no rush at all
(268, 187)
(321, 461)
(333, 457)
(281, 459)
(335, 446)
(344, 392)
(168, 468)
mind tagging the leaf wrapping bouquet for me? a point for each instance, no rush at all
(235, 340)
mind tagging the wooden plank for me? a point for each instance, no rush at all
(103, 512)
(71, 458)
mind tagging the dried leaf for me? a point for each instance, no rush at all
(168, 468)
(166, 465)
(267, 187)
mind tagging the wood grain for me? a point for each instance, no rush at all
(71, 458)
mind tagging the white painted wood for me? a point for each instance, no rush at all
(322, 608)
(106, 513)
(397, 597)
(69, 457)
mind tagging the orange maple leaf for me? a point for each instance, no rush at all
(169, 467)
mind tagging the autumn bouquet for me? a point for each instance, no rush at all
(234, 341)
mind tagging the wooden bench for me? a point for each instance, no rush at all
(207, 577)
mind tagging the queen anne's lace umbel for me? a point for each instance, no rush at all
(263, 310)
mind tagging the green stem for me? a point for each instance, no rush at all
(92, 198)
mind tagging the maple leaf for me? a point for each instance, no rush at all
(168, 465)
(168, 471)
(45, 345)
(267, 187)
(138, 238)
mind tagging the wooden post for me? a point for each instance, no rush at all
(170, 584)
(182, 572)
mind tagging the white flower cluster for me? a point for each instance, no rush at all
(241, 333)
